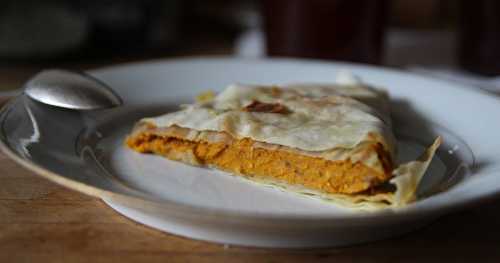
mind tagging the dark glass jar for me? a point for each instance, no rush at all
(350, 30)
(479, 43)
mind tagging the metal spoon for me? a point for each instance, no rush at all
(71, 90)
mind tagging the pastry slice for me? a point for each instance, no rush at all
(329, 141)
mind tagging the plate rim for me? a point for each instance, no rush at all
(432, 208)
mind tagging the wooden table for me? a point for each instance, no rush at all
(43, 222)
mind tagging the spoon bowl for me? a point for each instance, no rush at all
(71, 90)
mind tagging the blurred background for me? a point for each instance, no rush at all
(456, 40)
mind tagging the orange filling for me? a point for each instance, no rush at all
(242, 158)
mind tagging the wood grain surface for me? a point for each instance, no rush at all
(43, 222)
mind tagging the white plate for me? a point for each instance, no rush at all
(84, 151)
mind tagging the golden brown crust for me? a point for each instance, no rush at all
(257, 106)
